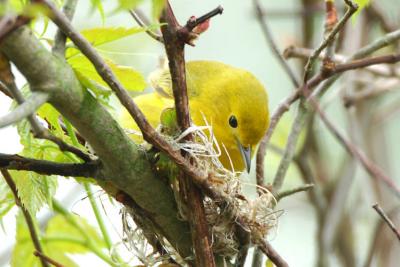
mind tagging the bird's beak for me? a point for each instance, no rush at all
(246, 155)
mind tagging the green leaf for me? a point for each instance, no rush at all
(129, 78)
(23, 251)
(361, 5)
(34, 190)
(168, 121)
(63, 236)
(96, 4)
(51, 115)
(22, 255)
(128, 4)
(100, 36)
(103, 35)
(157, 7)
(7, 201)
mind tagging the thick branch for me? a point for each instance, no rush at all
(124, 164)
(174, 45)
(16, 162)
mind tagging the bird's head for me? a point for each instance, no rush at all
(236, 105)
(246, 121)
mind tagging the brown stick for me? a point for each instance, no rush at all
(175, 37)
(16, 162)
(27, 215)
(369, 166)
(389, 222)
(47, 259)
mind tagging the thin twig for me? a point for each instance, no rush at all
(272, 44)
(47, 259)
(34, 102)
(299, 121)
(389, 222)
(16, 162)
(352, 8)
(300, 52)
(271, 253)
(139, 18)
(28, 218)
(60, 38)
(39, 130)
(373, 248)
(369, 166)
(290, 192)
(317, 79)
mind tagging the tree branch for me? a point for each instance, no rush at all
(369, 166)
(175, 37)
(290, 192)
(16, 162)
(125, 166)
(139, 18)
(47, 259)
(28, 218)
(271, 253)
(383, 215)
(272, 44)
(39, 130)
(351, 9)
(60, 38)
(34, 102)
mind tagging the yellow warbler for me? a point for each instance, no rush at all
(229, 99)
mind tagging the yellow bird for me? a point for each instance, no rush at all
(230, 99)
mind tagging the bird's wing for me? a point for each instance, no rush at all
(160, 81)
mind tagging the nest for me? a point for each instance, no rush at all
(256, 216)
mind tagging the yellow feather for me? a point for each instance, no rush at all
(216, 92)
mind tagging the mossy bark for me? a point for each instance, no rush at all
(124, 164)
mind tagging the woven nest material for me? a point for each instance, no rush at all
(255, 216)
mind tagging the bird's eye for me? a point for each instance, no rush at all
(233, 121)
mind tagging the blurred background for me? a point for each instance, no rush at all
(345, 189)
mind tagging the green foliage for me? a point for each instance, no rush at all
(6, 198)
(157, 7)
(35, 190)
(96, 4)
(129, 78)
(168, 122)
(103, 35)
(61, 237)
(128, 4)
(87, 74)
(361, 5)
